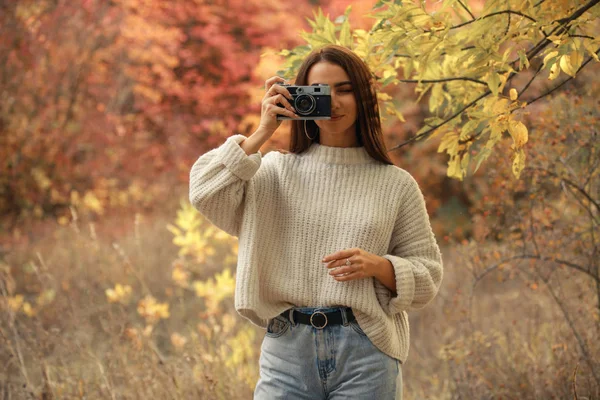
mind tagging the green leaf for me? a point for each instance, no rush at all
(329, 31)
(494, 82)
(379, 4)
(464, 163)
(524, 62)
(483, 155)
(345, 34)
(467, 128)
(388, 80)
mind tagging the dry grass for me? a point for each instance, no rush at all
(501, 340)
(80, 345)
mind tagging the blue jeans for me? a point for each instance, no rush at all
(298, 361)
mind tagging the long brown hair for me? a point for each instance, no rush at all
(368, 126)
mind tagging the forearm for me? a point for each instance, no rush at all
(254, 142)
(386, 275)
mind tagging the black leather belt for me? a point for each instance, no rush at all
(319, 319)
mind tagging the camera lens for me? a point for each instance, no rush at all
(305, 104)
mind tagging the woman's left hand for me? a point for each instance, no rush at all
(362, 264)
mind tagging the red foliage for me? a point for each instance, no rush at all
(102, 96)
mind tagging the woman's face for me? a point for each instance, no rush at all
(343, 102)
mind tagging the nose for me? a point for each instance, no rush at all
(335, 103)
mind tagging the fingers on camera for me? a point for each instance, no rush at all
(272, 81)
(276, 89)
(275, 109)
(282, 100)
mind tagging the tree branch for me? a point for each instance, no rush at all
(491, 15)
(530, 54)
(580, 340)
(540, 258)
(441, 54)
(531, 80)
(562, 26)
(430, 131)
(593, 167)
(537, 249)
(582, 192)
(563, 82)
(443, 80)
(571, 184)
(575, 382)
(466, 9)
(578, 13)
(507, 25)
(581, 36)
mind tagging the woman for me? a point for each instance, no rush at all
(335, 243)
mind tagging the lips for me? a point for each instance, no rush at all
(336, 117)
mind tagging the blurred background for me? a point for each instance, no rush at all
(112, 286)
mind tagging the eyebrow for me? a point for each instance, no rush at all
(338, 84)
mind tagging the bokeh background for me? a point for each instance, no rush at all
(113, 286)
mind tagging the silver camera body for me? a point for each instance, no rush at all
(310, 102)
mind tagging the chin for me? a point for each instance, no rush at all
(335, 128)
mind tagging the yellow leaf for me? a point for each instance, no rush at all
(519, 133)
(28, 310)
(500, 106)
(383, 96)
(588, 46)
(550, 56)
(454, 168)
(421, 20)
(557, 40)
(518, 163)
(15, 302)
(40, 177)
(345, 34)
(63, 220)
(576, 59)
(554, 72)
(178, 341)
(565, 65)
(513, 94)
(493, 83)
(399, 115)
(93, 203)
(436, 99)
(449, 143)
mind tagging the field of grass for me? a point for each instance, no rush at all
(90, 313)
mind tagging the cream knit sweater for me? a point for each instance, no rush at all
(290, 210)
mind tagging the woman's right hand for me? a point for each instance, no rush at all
(270, 110)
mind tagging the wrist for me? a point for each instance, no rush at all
(262, 132)
(386, 275)
(381, 267)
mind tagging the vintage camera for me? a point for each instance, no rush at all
(310, 102)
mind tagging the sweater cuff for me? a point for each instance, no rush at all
(405, 286)
(232, 155)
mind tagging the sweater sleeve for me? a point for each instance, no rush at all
(218, 181)
(414, 254)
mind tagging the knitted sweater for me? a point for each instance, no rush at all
(290, 210)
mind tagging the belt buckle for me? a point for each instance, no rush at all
(324, 316)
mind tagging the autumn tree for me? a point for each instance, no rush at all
(468, 65)
(540, 234)
(102, 99)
